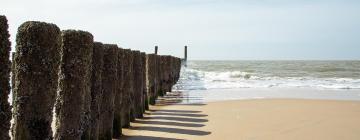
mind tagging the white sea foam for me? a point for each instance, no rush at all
(192, 79)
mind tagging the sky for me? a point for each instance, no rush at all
(212, 29)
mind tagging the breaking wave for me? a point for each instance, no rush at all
(192, 79)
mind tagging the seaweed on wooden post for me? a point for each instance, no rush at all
(132, 88)
(96, 89)
(138, 87)
(128, 88)
(5, 109)
(74, 88)
(36, 61)
(160, 63)
(151, 77)
(117, 131)
(145, 100)
(109, 82)
(13, 77)
(163, 75)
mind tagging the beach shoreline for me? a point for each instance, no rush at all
(215, 95)
(250, 119)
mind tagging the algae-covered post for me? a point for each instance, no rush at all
(5, 110)
(96, 89)
(118, 95)
(138, 87)
(159, 60)
(74, 89)
(164, 74)
(178, 70)
(109, 82)
(143, 79)
(151, 77)
(13, 78)
(132, 87)
(128, 89)
(36, 61)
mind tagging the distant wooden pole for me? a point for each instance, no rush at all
(156, 50)
(185, 53)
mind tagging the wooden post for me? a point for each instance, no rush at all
(74, 87)
(117, 131)
(37, 62)
(138, 87)
(109, 82)
(127, 91)
(96, 89)
(151, 77)
(156, 50)
(185, 53)
(5, 110)
(143, 82)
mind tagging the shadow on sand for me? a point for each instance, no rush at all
(185, 122)
(147, 138)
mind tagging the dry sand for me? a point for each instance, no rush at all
(263, 119)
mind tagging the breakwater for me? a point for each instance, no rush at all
(96, 89)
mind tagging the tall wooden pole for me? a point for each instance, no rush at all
(156, 50)
(185, 53)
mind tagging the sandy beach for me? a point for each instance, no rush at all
(257, 119)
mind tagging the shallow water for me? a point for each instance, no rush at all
(212, 95)
(204, 75)
(207, 81)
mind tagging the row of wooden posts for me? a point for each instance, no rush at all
(95, 89)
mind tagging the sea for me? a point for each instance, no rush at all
(316, 79)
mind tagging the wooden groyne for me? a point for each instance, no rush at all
(95, 89)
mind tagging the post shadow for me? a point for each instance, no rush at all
(180, 119)
(170, 123)
(178, 114)
(172, 130)
(146, 138)
(176, 111)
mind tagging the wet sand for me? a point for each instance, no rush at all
(257, 119)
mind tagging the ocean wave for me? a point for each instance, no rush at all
(192, 79)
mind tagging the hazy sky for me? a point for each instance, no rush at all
(213, 29)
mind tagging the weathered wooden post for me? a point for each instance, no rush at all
(13, 79)
(185, 53)
(170, 74)
(156, 50)
(143, 79)
(118, 95)
(132, 88)
(109, 82)
(96, 89)
(74, 90)
(151, 77)
(36, 62)
(178, 70)
(164, 75)
(138, 87)
(128, 88)
(160, 64)
(5, 110)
